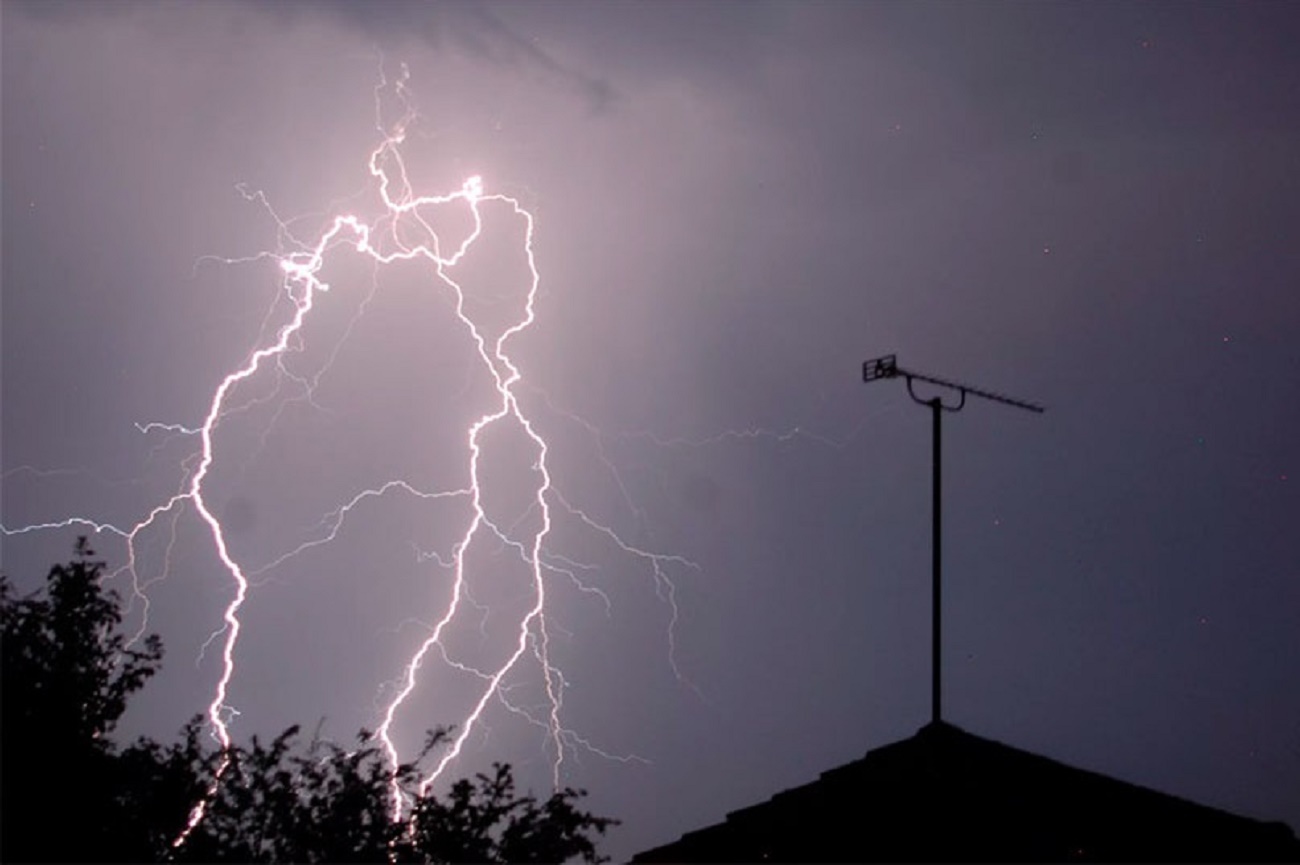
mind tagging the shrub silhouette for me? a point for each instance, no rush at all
(69, 793)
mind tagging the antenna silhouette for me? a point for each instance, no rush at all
(887, 367)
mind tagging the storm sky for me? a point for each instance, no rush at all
(1093, 206)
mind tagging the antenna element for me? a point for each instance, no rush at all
(887, 367)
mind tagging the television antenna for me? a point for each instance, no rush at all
(887, 367)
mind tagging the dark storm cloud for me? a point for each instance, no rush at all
(464, 26)
(1091, 205)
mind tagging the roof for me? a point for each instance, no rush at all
(947, 795)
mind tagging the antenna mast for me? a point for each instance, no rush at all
(887, 367)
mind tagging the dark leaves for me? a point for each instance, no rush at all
(70, 794)
(322, 803)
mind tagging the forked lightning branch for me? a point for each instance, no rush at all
(404, 231)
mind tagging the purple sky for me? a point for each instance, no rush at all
(1093, 206)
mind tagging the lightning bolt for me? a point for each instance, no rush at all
(403, 231)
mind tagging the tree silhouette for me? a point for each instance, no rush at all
(67, 674)
(70, 794)
(284, 802)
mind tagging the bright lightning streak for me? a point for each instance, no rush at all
(303, 285)
(385, 240)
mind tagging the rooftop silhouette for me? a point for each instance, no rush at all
(945, 795)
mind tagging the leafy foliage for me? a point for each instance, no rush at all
(65, 664)
(484, 820)
(67, 676)
(280, 802)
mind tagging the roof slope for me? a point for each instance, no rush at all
(946, 795)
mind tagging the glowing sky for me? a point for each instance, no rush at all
(1091, 206)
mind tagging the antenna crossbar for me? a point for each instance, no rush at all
(887, 367)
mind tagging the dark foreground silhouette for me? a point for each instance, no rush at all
(68, 793)
(945, 795)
